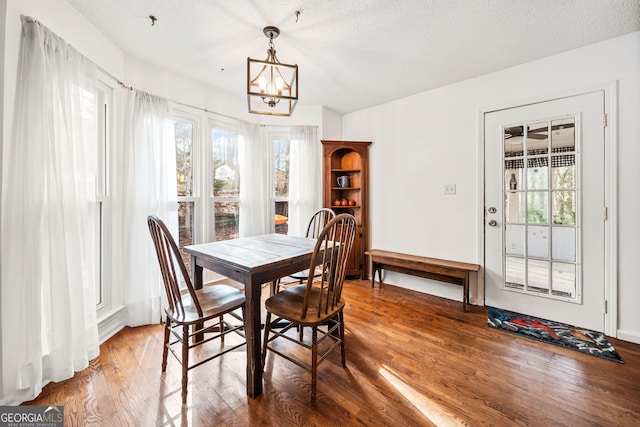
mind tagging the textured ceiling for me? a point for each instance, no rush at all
(355, 54)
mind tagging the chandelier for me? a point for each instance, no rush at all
(272, 87)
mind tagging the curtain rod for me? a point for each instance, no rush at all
(122, 84)
(206, 110)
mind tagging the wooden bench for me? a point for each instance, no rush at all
(430, 268)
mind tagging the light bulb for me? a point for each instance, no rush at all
(262, 83)
(271, 89)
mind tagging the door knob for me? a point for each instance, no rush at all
(492, 223)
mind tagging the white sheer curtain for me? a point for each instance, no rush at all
(305, 177)
(256, 182)
(48, 313)
(147, 185)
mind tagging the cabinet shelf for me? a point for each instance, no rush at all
(347, 162)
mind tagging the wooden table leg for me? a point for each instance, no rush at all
(196, 276)
(252, 331)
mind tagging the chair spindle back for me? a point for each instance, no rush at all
(318, 221)
(168, 257)
(333, 246)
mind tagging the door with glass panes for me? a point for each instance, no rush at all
(544, 210)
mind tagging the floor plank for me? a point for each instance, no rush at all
(412, 360)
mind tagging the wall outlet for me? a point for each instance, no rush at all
(449, 189)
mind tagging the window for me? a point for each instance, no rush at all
(96, 114)
(208, 182)
(541, 197)
(225, 183)
(208, 178)
(184, 138)
(281, 183)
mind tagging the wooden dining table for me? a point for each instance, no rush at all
(252, 261)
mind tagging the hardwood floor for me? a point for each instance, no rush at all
(412, 360)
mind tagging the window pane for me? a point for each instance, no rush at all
(514, 239)
(537, 207)
(538, 276)
(563, 177)
(564, 243)
(537, 173)
(513, 142)
(514, 272)
(281, 155)
(98, 250)
(563, 134)
(514, 207)
(538, 241)
(185, 229)
(564, 207)
(225, 170)
(512, 177)
(564, 280)
(538, 138)
(184, 146)
(226, 216)
(282, 217)
(281, 184)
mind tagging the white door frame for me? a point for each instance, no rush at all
(610, 197)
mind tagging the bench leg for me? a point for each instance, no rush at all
(376, 268)
(465, 294)
(373, 275)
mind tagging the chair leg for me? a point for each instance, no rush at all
(314, 361)
(265, 341)
(221, 329)
(185, 362)
(341, 320)
(275, 287)
(165, 350)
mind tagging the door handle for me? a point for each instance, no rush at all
(492, 223)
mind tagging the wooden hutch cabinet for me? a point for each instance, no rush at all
(346, 190)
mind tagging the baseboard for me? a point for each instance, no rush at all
(111, 324)
(630, 336)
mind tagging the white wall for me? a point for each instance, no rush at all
(430, 139)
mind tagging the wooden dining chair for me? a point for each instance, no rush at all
(316, 303)
(316, 224)
(192, 311)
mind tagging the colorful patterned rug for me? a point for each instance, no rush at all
(583, 340)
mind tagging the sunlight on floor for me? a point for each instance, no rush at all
(432, 411)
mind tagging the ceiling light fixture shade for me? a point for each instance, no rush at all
(272, 87)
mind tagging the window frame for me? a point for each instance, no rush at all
(195, 198)
(108, 298)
